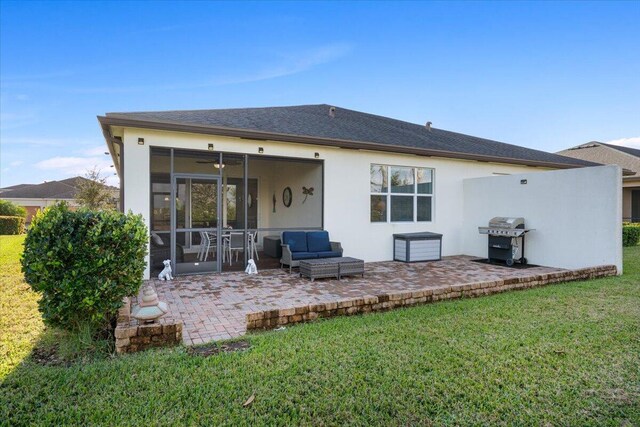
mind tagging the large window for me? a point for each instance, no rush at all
(401, 194)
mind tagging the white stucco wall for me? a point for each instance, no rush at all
(346, 187)
(576, 215)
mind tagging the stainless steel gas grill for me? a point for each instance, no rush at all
(506, 239)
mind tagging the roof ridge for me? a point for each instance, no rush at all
(199, 110)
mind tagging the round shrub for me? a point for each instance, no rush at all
(10, 225)
(83, 263)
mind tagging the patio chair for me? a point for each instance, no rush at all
(203, 246)
(234, 242)
(208, 242)
(253, 242)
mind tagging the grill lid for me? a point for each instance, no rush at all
(506, 222)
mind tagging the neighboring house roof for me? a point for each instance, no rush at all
(628, 150)
(64, 189)
(626, 157)
(313, 124)
(15, 187)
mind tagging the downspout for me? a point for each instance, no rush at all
(118, 141)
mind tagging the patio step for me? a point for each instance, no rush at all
(269, 319)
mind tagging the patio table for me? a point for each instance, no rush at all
(331, 267)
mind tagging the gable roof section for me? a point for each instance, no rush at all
(64, 189)
(634, 152)
(625, 157)
(312, 124)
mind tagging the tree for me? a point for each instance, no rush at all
(94, 193)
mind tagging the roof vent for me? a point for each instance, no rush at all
(428, 126)
(332, 111)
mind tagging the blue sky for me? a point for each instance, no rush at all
(542, 75)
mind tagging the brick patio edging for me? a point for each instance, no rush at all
(273, 318)
(132, 337)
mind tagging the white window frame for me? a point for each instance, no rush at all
(415, 195)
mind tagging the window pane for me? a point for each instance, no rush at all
(401, 208)
(425, 181)
(424, 208)
(233, 209)
(204, 204)
(160, 189)
(232, 196)
(402, 180)
(378, 179)
(378, 208)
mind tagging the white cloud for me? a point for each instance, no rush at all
(80, 143)
(16, 163)
(49, 142)
(78, 166)
(95, 151)
(294, 64)
(16, 120)
(75, 165)
(633, 142)
(287, 65)
(113, 180)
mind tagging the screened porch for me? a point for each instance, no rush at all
(213, 211)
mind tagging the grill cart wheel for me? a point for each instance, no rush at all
(524, 261)
(510, 262)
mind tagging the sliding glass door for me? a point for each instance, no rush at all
(196, 226)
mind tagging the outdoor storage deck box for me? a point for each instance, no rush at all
(412, 247)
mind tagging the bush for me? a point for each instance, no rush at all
(630, 234)
(11, 225)
(8, 208)
(84, 263)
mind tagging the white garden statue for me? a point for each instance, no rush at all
(251, 267)
(165, 274)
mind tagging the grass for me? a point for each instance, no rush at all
(562, 355)
(20, 321)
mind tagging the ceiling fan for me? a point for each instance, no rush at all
(216, 163)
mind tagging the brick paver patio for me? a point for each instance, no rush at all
(215, 306)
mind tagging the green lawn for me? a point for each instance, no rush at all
(560, 355)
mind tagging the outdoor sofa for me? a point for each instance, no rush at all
(300, 245)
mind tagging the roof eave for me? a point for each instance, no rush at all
(107, 121)
(109, 139)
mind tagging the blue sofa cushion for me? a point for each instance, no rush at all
(329, 254)
(297, 240)
(303, 255)
(318, 241)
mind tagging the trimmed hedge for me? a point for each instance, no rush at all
(83, 263)
(8, 208)
(630, 234)
(10, 225)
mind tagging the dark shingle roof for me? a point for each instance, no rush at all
(633, 151)
(314, 121)
(64, 189)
